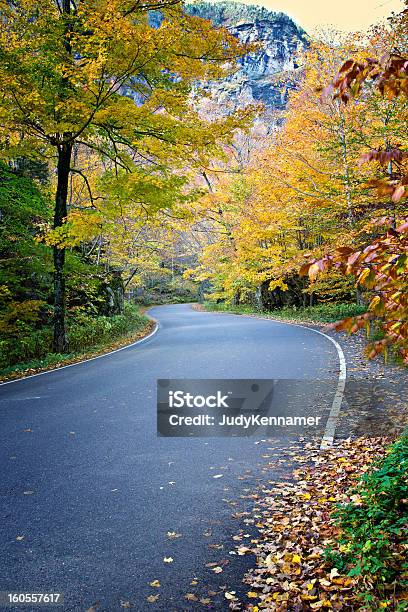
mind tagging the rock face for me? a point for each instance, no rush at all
(265, 75)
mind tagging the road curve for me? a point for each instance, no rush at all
(88, 491)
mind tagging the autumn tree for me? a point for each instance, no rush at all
(380, 265)
(305, 191)
(97, 75)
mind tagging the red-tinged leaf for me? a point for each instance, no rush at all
(403, 228)
(372, 354)
(370, 257)
(344, 250)
(364, 158)
(353, 258)
(344, 325)
(371, 248)
(346, 66)
(398, 193)
(384, 188)
(322, 264)
(304, 270)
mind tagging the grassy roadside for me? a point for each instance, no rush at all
(123, 330)
(322, 313)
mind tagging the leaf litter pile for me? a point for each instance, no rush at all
(295, 526)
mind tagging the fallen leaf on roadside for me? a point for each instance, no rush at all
(191, 597)
(155, 583)
(172, 535)
(168, 559)
(243, 550)
(304, 496)
(152, 598)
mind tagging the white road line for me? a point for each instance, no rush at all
(330, 430)
(71, 365)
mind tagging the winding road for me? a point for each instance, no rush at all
(88, 491)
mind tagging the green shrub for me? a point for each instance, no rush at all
(25, 347)
(374, 534)
(88, 331)
(84, 333)
(322, 313)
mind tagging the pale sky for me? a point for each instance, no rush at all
(346, 15)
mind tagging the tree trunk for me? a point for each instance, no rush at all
(63, 169)
(258, 298)
(359, 296)
(236, 298)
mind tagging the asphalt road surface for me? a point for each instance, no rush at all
(88, 491)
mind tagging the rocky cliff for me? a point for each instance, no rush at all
(266, 75)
